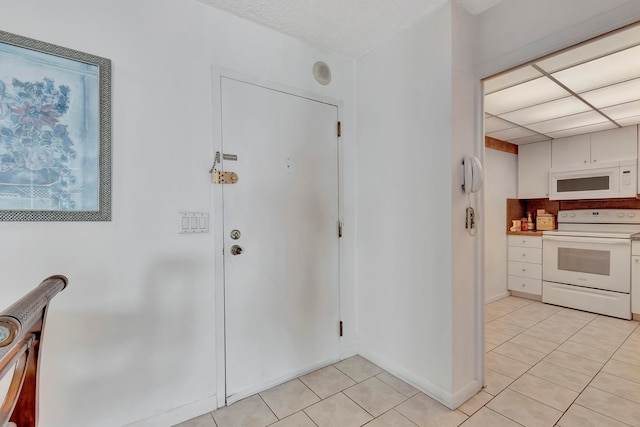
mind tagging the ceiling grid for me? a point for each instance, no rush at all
(592, 87)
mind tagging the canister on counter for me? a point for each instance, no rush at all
(546, 221)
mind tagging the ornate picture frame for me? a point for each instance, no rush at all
(55, 132)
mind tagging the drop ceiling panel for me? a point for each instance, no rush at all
(495, 124)
(513, 133)
(592, 50)
(568, 122)
(530, 139)
(614, 94)
(629, 121)
(582, 130)
(546, 111)
(623, 111)
(615, 68)
(523, 95)
(512, 78)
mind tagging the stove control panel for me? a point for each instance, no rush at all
(600, 216)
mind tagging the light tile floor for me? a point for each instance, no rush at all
(546, 366)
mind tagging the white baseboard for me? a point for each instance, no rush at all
(421, 384)
(281, 380)
(497, 297)
(466, 393)
(348, 351)
(178, 415)
(451, 401)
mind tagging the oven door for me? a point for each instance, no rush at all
(594, 262)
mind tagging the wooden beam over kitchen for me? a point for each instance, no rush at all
(500, 145)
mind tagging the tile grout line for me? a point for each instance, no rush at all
(556, 349)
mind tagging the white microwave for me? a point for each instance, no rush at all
(605, 181)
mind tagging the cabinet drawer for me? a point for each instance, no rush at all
(522, 284)
(525, 269)
(522, 254)
(525, 241)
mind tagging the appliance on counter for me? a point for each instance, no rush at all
(605, 181)
(586, 262)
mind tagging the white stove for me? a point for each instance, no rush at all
(586, 263)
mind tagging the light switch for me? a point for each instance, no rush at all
(193, 222)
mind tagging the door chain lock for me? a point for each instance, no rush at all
(223, 177)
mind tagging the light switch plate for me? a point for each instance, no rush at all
(193, 222)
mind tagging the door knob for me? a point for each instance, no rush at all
(236, 250)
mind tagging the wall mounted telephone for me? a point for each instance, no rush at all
(472, 179)
(472, 174)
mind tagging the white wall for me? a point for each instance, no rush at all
(501, 183)
(407, 189)
(132, 337)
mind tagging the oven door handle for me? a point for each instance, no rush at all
(598, 240)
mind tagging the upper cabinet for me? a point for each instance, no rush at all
(534, 162)
(571, 152)
(615, 144)
(595, 148)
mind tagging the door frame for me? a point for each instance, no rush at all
(217, 222)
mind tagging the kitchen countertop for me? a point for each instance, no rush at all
(530, 233)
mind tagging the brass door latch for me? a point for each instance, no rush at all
(223, 177)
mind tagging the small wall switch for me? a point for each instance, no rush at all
(193, 222)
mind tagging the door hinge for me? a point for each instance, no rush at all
(341, 328)
(339, 129)
(339, 228)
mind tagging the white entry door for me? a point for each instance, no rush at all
(282, 290)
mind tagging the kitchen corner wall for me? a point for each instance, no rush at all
(131, 341)
(501, 183)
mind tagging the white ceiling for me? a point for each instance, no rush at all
(592, 87)
(348, 27)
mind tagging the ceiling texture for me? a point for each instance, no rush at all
(592, 87)
(348, 27)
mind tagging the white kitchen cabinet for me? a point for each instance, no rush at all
(635, 277)
(534, 162)
(614, 145)
(525, 264)
(571, 152)
(595, 148)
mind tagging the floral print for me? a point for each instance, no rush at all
(35, 146)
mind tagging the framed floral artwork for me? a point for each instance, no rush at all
(55, 132)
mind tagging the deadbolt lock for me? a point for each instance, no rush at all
(236, 250)
(235, 234)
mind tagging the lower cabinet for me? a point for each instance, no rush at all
(525, 264)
